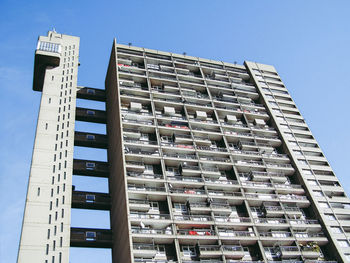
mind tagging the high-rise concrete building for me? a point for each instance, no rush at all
(207, 162)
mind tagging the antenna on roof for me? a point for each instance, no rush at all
(184, 53)
(235, 62)
(129, 44)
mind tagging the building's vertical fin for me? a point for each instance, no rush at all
(117, 184)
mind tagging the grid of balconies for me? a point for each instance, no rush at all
(207, 178)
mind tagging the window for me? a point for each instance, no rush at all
(90, 91)
(90, 166)
(297, 152)
(302, 162)
(90, 236)
(318, 193)
(90, 137)
(90, 198)
(343, 243)
(312, 182)
(336, 230)
(293, 143)
(324, 204)
(330, 217)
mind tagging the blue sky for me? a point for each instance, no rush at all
(307, 41)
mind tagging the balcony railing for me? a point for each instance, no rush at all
(215, 159)
(198, 218)
(229, 219)
(224, 193)
(144, 175)
(180, 156)
(187, 191)
(213, 149)
(232, 233)
(140, 151)
(149, 216)
(151, 231)
(184, 179)
(196, 232)
(226, 181)
(276, 234)
(147, 142)
(146, 188)
(270, 221)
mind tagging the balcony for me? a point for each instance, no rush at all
(197, 233)
(148, 251)
(234, 197)
(318, 237)
(222, 183)
(256, 113)
(140, 141)
(169, 146)
(271, 223)
(271, 211)
(175, 125)
(278, 167)
(148, 216)
(263, 176)
(141, 151)
(47, 55)
(208, 251)
(185, 180)
(90, 237)
(92, 140)
(180, 156)
(137, 167)
(214, 159)
(91, 200)
(151, 232)
(232, 220)
(289, 252)
(185, 220)
(136, 86)
(212, 149)
(139, 205)
(311, 252)
(233, 251)
(245, 237)
(90, 115)
(133, 189)
(283, 237)
(185, 191)
(139, 176)
(91, 94)
(301, 224)
(211, 171)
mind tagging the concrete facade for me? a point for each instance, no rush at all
(207, 162)
(46, 222)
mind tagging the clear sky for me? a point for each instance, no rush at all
(307, 41)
